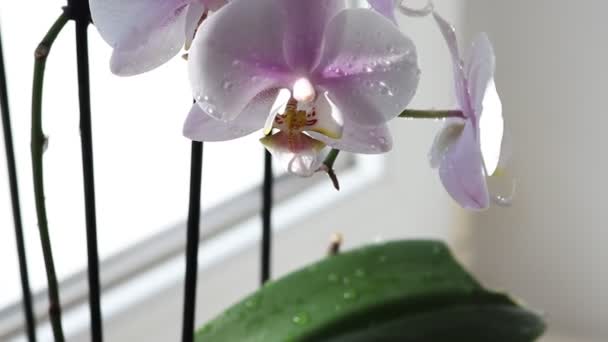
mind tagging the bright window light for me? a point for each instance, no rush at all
(141, 158)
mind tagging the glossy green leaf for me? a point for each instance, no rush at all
(398, 291)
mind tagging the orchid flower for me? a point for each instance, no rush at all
(312, 72)
(147, 33)
(468, 150)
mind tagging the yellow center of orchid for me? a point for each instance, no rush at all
(293, 122)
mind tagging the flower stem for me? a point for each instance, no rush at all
(192, 242)
(328, 166)
(81, 17)
(37, 148)
(267, 218)
(14, 188)
(431, 114)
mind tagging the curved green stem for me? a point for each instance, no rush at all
(431, 114)
(38, 145)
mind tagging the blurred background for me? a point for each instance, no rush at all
(546, 249)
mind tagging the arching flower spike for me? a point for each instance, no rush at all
(314, 72)
(468, 150)
(147, 33)
(388, 7)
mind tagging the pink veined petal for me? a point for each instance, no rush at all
(196, 10)
(368, 67)
(143, 44)
(305, 23)
(360, 139)
(300, 154)
(200, 126)
(236, 54)
(487, 107)
(460, 82)
(449, 134)
(461, 172)
(384, 7)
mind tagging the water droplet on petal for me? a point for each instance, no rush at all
(384, 89)
(228, 85)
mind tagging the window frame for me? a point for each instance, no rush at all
(167, 247)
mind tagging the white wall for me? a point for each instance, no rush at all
(550, 247)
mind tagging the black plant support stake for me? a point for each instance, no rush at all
(267, 218)
(192, 242)
(79, 10)
(12, 177)
(38, 145)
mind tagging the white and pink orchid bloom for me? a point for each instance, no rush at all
(314, 72)
(468, 150)
(147, 33)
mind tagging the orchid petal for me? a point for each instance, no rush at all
(195, 14)
(278, 107)
(448, 136)
(213, 5)
(200, 126)
(327, 118)
(384, 7)
(371, 74)
(231, 63)
(491, 129)
(479, 69)
(462, 173)
(360, 139)
(300, 153)
(503, 184)
(143, 44)
(460, 84)
(306, 22)
(487, 107)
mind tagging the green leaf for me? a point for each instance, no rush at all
(398, 291)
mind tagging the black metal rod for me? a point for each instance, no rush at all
(14, 188)
(81, 14)
(192, 242)
(267, 218)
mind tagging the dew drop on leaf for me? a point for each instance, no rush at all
(301, 318)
